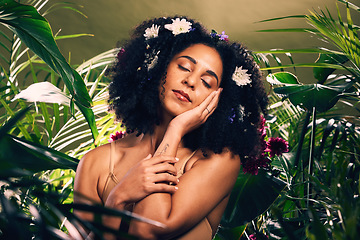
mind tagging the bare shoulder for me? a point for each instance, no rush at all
(95, 159)
(225, 161)
(98, 159)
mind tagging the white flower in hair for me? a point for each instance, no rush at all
(152, 32)
(154, 61)
(241, 77)
(241, 113)
(179, 26)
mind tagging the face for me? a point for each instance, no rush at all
(191, 76)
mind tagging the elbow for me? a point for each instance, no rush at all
(142, 231)
(145, 231)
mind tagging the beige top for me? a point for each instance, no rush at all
(201, 231)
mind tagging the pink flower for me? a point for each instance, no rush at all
(253, 164)
(262, 128)
(277, 146)
(261, 236)
(252, 237)
(251, 167)
(116, 136)
(120, 54)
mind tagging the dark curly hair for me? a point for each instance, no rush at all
(134, 90)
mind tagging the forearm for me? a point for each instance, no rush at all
(170, 142)
(110, 221)
(156, 206)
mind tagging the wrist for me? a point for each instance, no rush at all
(175, 131)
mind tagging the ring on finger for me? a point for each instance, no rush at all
(208, 110)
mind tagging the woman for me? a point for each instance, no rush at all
(191, 102)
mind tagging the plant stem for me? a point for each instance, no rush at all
(301, 139)
(311, 154)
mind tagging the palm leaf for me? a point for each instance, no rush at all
(35, 32)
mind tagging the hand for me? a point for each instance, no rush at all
(150, 175)
(193, 118)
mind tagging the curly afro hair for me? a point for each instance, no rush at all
(140, 69)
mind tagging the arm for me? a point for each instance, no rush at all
(86, 183)
(201, 189)
(146, 177)
(161, 207)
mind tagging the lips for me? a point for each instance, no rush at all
(182, 95)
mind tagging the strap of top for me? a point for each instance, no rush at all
(181, 170)
(111, 167)
(112, 155)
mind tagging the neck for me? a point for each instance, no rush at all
(159, 131)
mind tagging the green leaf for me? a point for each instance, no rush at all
(311, 95)
(20, 153)
(288, 30)
(19, 115)
(321, 74)
(282, 78)
(230, 233)
(74, 36)
(251, 196)
(317, 230)
(313, 65)
(302, 50)
(281, 18)
(35, 32)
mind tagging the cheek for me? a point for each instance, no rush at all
(202, 96)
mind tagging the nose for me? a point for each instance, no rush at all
(190, 81)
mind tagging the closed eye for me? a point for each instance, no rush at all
(205, 83)
(183, 68)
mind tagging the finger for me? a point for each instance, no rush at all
(148, 157)
(163, 188)
(202, 106)
(214, 102)
(163, 159)
(164, 168)
(165, 178)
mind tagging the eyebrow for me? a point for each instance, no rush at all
(210, 72)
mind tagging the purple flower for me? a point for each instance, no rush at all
(277, 146)
(116, 136)
(223, 36)
(232, 116)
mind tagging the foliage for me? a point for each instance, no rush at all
(37, 188)
(40, 145)
(37, 152)
(322, 170)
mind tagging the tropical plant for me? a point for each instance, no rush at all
(36, 174)
(36, 180)
(322, 170)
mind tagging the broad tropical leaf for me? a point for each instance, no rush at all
(35, 32)
(251, 196)
(20, 153)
